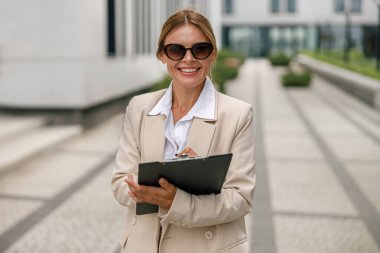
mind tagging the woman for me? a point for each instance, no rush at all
(189, 117)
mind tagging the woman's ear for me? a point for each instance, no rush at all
(162, 58)
(213, 56)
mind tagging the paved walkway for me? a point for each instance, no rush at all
(318, 167)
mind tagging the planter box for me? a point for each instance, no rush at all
(364, 88)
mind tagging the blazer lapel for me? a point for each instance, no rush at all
(154, 138)
(200, 136)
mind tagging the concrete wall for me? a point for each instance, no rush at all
(248, 12)
(53, 55)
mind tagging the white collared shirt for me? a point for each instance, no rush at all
(176, 135)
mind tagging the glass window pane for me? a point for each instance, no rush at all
(228, 6)
(356, 5)
(339, 6)
(111, 28)
(275, 6)
(291, 5)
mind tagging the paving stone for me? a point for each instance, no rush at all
(14, 210)
(89, 221)
(322, 235)
(48, 174)
(301, 186)
(367, 178)
(291, 146)
(358, 147)
(372, 127)
(104, 138)
(30, 143)
(324, 118)
(283, 125)
(345, 100)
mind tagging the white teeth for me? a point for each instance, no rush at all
(188, 70)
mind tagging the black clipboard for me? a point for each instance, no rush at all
(199, 176)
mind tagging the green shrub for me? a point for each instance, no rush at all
(161, 84)
(279, 59)
(227, 55)
(293, 79)
(222, 73)
(226, 67)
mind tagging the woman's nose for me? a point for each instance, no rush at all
(188, 56)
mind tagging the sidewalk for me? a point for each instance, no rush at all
(318, 167)
(61, 200)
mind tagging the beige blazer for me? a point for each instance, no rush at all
(201, 224)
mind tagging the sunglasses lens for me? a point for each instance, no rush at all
(202, 50)
(177, 52)
(174, 51)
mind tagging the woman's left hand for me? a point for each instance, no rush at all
(162, 196)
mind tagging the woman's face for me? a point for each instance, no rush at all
(188, 72)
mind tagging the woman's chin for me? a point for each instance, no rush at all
(190, 81)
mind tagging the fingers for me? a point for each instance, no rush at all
(168, 196)
(166, 185)
(187, 151)
(162, 196)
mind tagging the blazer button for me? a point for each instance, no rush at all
(209, 235)
(133, 221)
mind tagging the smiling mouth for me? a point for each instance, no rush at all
(189, 70)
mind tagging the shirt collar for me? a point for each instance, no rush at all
(164, 104)
(204, 107)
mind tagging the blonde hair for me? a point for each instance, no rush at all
(181, 18)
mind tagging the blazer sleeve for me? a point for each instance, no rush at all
(235, 199)
(127, 159)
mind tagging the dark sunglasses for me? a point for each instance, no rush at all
(199, 51)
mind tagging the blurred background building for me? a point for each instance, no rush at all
(259, 27)
(64, 58)
(69, 58)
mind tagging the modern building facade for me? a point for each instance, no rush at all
(259, 27)
(77, 54)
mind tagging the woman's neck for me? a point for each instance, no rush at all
(184, 98)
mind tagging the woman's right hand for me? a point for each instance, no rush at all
(187, 152)
(162, 196)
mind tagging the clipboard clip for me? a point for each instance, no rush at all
(184, 157)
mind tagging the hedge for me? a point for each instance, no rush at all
(292, 79)
(279, 59)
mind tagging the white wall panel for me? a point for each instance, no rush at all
(249, 12)
(53, 54)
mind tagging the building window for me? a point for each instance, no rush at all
(275, 8)
(116, 41)
(291, 6)
(339, 6)
(111, 28)
(356, 6)
(228, 7)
